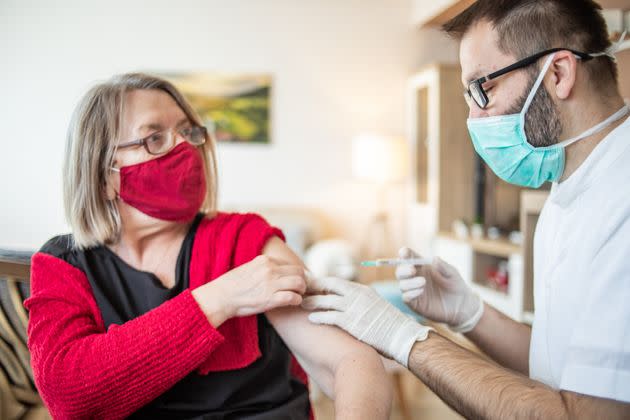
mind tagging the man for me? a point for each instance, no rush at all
(575, 361)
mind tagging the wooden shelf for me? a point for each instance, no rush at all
(493, 293)
(501, 301)
(496, 247)
(490, 289)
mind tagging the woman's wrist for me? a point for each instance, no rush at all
(211, 304)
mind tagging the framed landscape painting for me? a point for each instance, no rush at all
(236, 106)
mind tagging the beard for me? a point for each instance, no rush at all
(542, 120)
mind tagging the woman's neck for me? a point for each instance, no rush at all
(145, 242)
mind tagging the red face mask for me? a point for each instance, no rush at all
(171, 187)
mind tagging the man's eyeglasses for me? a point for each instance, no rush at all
(162, 141)
(478, 94)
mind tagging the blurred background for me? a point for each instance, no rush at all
(338, 69)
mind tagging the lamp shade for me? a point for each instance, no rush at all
(377, 158)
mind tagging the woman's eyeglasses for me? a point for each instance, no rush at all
(162, 141)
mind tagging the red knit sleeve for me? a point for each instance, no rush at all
(252, 237)
(83, 371)
(222, 244)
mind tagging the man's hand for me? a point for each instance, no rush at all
(438, 292)
(360, 311)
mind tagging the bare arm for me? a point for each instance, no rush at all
(348, 371)
(453, 372)
(503, 339)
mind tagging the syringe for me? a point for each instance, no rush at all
(396, 261)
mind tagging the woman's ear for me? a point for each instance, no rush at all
(563, 74)
(112, 184)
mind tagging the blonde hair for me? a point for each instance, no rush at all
(90, 148)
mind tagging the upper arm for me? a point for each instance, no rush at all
(319, 348)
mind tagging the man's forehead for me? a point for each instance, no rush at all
(479, 53)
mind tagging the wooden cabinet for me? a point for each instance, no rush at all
(443, 157)
(532, 203)
(474, 257)
(443, 189)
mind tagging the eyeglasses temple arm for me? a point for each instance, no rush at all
(532, 59)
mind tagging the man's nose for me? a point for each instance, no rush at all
(475, 112)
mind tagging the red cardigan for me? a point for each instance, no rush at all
(84, 371)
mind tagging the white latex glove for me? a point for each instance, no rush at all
(360, 311)
(439, 293)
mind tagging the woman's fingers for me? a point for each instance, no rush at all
(329, 285)
(289, 270)
(293, 283)
(285, 298)
(277, 267)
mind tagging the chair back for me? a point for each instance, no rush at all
(18, 395)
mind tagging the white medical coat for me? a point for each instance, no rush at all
(581, 332)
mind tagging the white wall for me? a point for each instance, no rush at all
(423, 10)
(339, 68)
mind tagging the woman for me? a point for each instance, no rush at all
(157, 306)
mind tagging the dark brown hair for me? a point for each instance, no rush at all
(525, 27)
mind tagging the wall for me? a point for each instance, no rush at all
(339, 68)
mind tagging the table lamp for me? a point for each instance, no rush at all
(382, 160)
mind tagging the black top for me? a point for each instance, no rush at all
(264, 390)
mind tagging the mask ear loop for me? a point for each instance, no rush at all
(620, 45)
(532, 93)
(596, 128)
(610, 52)
(117, 170)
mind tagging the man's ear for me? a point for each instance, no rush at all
(563, 74)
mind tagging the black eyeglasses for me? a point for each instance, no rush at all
(478, 94)
(162, 141)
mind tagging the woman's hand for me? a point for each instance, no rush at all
(252, 288)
